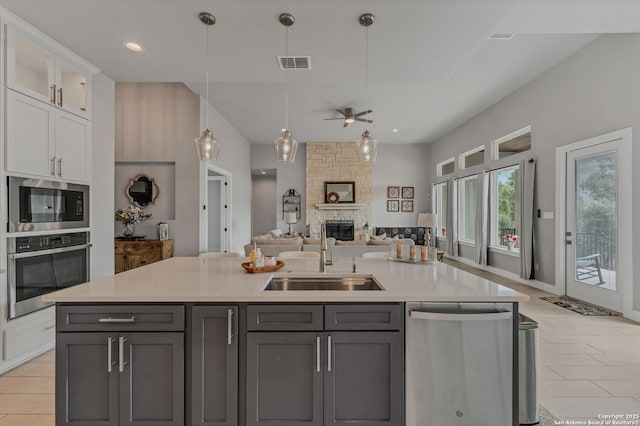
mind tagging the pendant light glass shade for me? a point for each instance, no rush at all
(366, 148)
(286, 148)
(207, 146)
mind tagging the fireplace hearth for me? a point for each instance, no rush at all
(342, 230)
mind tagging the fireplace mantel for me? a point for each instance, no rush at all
(339, 206)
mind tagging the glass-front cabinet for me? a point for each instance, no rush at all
(35, 71)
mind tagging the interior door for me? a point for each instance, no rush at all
(592, 225)
(215, 214)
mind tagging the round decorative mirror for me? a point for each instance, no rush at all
(142, 191)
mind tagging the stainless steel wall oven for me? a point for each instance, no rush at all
(40, 205)
(41, 264)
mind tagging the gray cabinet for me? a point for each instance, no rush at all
(214, 366)
(108, 377)
(363, 381)
(326, 377)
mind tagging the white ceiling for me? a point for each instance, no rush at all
(431, 65)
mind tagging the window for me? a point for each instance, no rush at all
(440, 208)
(467, 190)
(445, 167)
(513, 143)
(505, 207)
(475, 157)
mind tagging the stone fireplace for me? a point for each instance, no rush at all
(334, 162)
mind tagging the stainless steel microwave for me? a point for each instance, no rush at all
(40, 205)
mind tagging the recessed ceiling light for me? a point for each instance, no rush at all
(134, 47)
(283, 130)
(263, 172)
(501, 36)
(395, 130)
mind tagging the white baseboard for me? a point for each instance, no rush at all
(510, 275)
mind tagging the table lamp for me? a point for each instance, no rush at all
(290, 218)
(427, 220)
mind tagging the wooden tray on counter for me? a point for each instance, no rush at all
(252, 269)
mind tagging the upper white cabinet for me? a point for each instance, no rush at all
(37, 72)
(45, 141)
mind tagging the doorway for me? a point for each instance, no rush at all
(263, 200)
(215, 217)
(596, 220)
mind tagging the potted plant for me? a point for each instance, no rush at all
(511, 241)
(129, 217)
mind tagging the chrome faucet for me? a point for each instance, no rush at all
(323, 249)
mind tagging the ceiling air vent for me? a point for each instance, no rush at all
(294, 62)
(501, 36)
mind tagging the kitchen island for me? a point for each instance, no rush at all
(194, 341)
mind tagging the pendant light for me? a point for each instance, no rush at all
(286, 146)
(366, 146)
(207, 145)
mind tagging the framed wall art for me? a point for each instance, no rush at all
(407, 206)
(393, 192)
(393, 205)
(407, 192)
(340, 192)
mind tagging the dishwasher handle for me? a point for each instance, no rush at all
(440, 316)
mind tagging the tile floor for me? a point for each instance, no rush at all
(588, 366)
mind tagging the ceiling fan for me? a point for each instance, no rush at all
(349, 116)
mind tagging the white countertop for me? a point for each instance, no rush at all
(191, 279)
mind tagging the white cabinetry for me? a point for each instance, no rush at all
(35, 71)
(44, 141)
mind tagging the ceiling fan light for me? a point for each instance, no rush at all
(207, 146)
(349, 120)
(366, 148)
(286, 148)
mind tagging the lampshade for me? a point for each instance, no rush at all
(207, 146)
(290, 217)
(426, 220)
(366, 148)
(286, 148)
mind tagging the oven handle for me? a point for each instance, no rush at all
(50, 251)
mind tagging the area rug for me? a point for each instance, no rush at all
(579, 306)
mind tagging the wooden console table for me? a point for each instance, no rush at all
(133, 254)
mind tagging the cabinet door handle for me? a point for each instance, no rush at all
(53, 94)
(53, 166)
(329, 353)
(318, 354)
(229, 325)
(60, 167)
(110, 340)
(60, 100)
(117, 320)
(121, 360)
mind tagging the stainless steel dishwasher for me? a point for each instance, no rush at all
(459, 364)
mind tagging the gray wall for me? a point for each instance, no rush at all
(103, 141)
(592, 92)
(157, 123)
(234, 158)
(288, 176)
(400, 165)
(263, 215)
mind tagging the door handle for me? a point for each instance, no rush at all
(329, 353)
(121, 360)
(110, 362)
(53, 166)
(229, 325)
(53, 94)
(60, 100)
(60, 167)
(318, 354)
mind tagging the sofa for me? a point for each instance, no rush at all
(273, 246)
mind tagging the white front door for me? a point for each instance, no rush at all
(593, 224)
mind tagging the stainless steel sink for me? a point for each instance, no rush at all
(348, 283)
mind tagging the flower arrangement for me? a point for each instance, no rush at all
(444, 232)
(131, 215)
(511, 241)
(511, 238)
